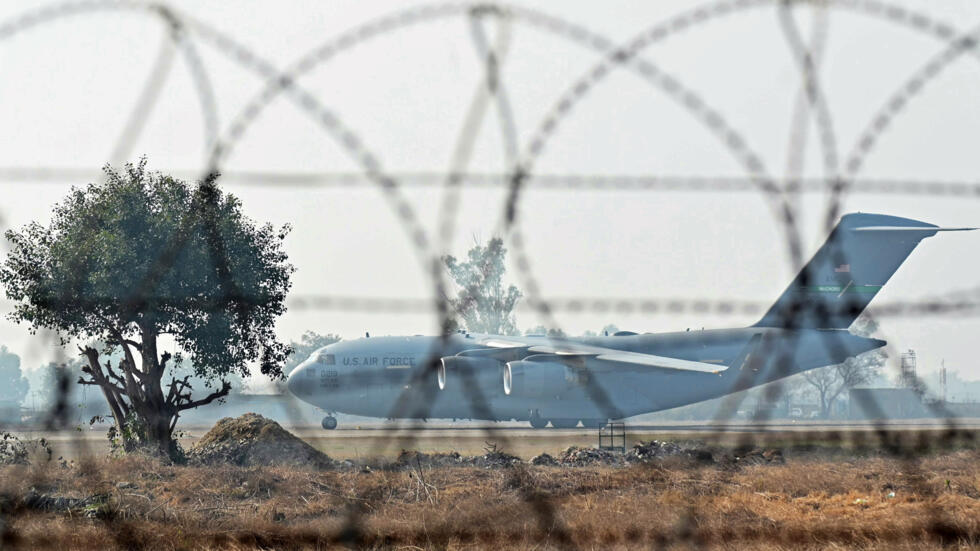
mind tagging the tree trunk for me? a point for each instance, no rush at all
(136, 394)
(158, 433)
(157, 413)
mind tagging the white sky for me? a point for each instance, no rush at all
(67, 88)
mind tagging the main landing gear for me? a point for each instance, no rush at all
(539, 422)
(564, 423)
(329, 422)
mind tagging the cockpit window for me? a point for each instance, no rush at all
(326, 359)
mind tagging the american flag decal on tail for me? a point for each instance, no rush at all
(843, 268)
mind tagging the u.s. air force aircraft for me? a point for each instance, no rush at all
(590, 380)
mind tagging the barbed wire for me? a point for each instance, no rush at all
(287, 181)
(630, 305)
(493, 48)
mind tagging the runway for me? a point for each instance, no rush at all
(387, 439)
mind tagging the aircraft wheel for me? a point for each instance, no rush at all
(329, 422)
(593, 423)
(537, 422)
(564, 423)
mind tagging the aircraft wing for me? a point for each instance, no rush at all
(609, 358)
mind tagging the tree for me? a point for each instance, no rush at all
(542, 330)
(13, 385)
(830, 382)
(482, 301)
(140, 257)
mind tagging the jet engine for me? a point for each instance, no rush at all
(456, 372)
(535, 379)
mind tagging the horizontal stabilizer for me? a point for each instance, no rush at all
(902, 228)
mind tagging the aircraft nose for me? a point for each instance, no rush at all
(293, 381)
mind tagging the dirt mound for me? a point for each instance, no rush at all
(14, 451)
(574, 456)
(655, 449)
(409, 459)
(543, 460)
(754, 456)
(642, 452)
(253, 440)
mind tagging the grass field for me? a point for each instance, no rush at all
(930, 501)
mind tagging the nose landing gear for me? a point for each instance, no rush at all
(329, 422)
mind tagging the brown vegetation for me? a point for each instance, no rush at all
(136, 502)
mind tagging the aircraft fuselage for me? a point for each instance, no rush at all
(395, 377)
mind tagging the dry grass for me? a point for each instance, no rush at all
(804, 504)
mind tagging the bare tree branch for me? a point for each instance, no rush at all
(225, 389)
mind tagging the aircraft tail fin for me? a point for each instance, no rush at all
(860, 255)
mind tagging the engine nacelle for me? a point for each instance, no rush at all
(455, 372)
(534, 379)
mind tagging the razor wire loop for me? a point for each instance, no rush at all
(625, 55)
(828, 141)
(520, 174)
(372, 168)
(896, 103)
(490, 88)
(243, 55)
(177, 36)
(869, 137)
(808, 56)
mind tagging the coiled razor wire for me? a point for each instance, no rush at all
(491, 26)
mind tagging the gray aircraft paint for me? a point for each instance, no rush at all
(396, 377)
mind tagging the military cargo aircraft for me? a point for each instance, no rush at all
(590, 380)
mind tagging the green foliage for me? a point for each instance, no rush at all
(133, 434)
(483, 302)
(142, 255)
(144, 248)
(542, 330)
(129, 434)
(13, 386)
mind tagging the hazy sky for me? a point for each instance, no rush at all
(68, 87)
